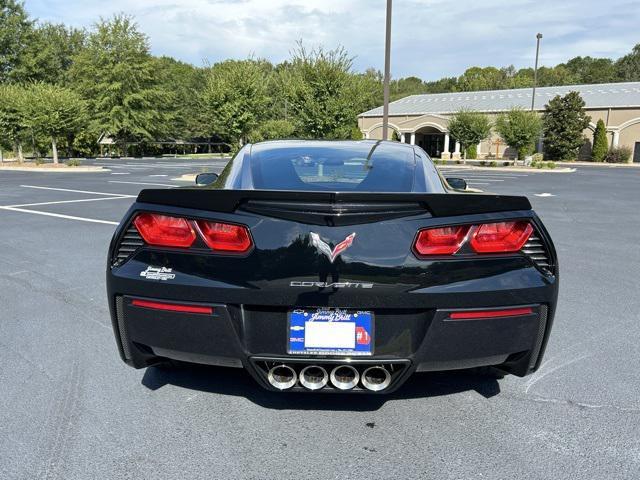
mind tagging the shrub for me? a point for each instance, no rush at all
(524, 151)
(506, 164)
(600, 144)
(39, 160)
(472, 152)
(537, 157)
(73, 162)
(493, 163)
(551, 165)
(618, 155)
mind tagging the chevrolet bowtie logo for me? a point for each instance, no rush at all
(324, 247)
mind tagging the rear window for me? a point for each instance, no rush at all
(364, 167)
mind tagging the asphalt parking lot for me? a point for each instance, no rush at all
(69, 408)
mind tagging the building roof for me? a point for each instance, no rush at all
(603, 95)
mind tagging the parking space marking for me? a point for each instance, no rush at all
(77, 191)
(144, 183)
(69, 201)
(59, 215)
(120, 173)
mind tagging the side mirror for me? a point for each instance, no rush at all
(206, 178)
(457, 183)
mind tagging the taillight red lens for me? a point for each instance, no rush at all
(441, 240)
(165, 231)
(172, 307)
(224, 237)
(502, 237)
(476, 314)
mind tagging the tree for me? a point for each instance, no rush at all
(559, 75)
(519, 129)
(182, 82)
(564, 121)
(628, 67)
(478, 78)
(13, 127)
(15, 35)
(235, 98)
(272, 130)
(591, 70)
(116, 75)
(49, 54)
(469, 128)
(54, 112)
(600, 143)
(323, 95)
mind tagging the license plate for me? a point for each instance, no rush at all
(325, 331)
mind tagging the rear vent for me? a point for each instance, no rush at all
(129, 243)
(334, 213)
(537, 252)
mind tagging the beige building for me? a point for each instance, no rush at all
(423, 119)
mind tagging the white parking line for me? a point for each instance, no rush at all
(77, 191)
(158, 175)
(144, 183)
(59, 215)
(69, 201)
(477, 183)
(120, 173)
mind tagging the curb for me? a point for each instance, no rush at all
(600, 164)
(510, 169)
(88, 169)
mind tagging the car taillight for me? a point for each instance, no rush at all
(441, 240)
(502, 237)
(164, 230)
(224, 237)
(497, 237)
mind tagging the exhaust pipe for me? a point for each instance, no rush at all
(282, 377)
(376, 378)
(344, 377)
(313, 377)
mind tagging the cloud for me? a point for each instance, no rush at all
(431, 38)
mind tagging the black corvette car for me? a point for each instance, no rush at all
(332, 267)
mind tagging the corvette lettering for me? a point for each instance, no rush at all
(331, 284)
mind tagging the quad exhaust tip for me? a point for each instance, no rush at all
(314, 377)
(282, 377)
(376, 378)
(344, 377)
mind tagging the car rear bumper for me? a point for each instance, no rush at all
(406, 340)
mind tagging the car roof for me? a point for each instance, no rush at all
(359, 147)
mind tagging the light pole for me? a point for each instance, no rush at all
(535, 71)
(387, 69)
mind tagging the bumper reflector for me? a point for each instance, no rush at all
(172, 307)
(477, 314)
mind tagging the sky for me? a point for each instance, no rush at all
(430, 38)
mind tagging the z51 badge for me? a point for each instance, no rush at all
(158, 273)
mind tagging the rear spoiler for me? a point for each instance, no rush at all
(439, 204)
